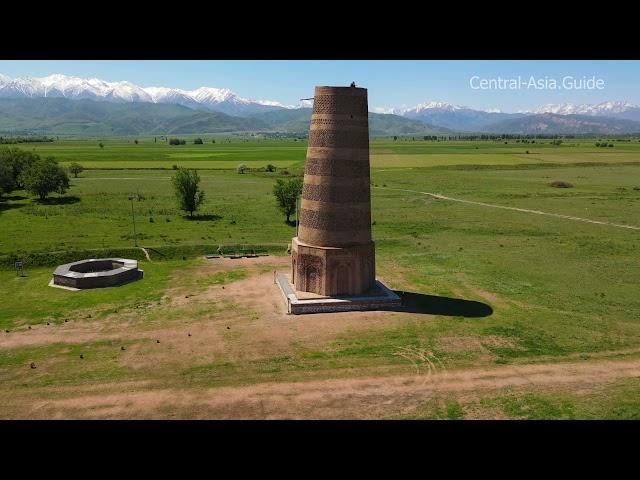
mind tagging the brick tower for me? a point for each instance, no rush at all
(333, 254)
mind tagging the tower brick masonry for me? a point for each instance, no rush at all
(333, 254)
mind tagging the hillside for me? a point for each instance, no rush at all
(87, 117)
(62, 116)
(298, 120)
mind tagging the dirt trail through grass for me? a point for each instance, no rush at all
(525, 210)
(344, 398)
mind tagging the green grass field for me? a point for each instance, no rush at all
(560, 290)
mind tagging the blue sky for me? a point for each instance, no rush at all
(390, 83)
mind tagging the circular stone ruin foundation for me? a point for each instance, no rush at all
(96, 273)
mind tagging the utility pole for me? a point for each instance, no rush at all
(133, 219)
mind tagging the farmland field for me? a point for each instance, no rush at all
(523, 298)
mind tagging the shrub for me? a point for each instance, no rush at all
(198, 141)
(177, 141)
(270, 168)
(241, 168)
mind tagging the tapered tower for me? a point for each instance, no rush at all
(333, 253)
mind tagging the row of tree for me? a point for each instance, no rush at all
(14, 140)
(180, 141)
(24, 170)
(505, 136)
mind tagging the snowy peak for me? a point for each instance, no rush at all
(217, 99)
(436, 106)
(600, 109)
(431, 107)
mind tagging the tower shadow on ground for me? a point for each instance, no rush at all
(434, 305)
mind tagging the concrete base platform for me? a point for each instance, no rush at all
(380, 298)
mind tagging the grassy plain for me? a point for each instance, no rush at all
(493, 292)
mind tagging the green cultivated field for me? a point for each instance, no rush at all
(558, 291)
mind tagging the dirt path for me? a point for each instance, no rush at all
(345, 398)
(146, 254)
(524, 210)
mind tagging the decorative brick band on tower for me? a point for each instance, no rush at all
(334, 253)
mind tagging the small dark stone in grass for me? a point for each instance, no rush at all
(7, 331)
(189, 334)
(65, 320)
(157, 341)
(81, 356)
(122, 348)
(48, 323)
(29, 327)
(89, 316)
(561, 184)
(33, 365)
(228, 328)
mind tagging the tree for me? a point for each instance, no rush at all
(7, 182)
(101, 145)
(136, 141)
(198, 141)
(177, 141)
(187, 189)
(45, 176)
(270, 168)
(15, 160)
(241, 168)
(287, 193)
(76, 168)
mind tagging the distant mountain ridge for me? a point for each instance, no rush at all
(465, 119)
(63, 116)
(551, 123)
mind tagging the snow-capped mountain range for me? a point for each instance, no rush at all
(458, 117)
(428, 106)
(599, 109)
(437, 114)
(605, 109)
(217, 99)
